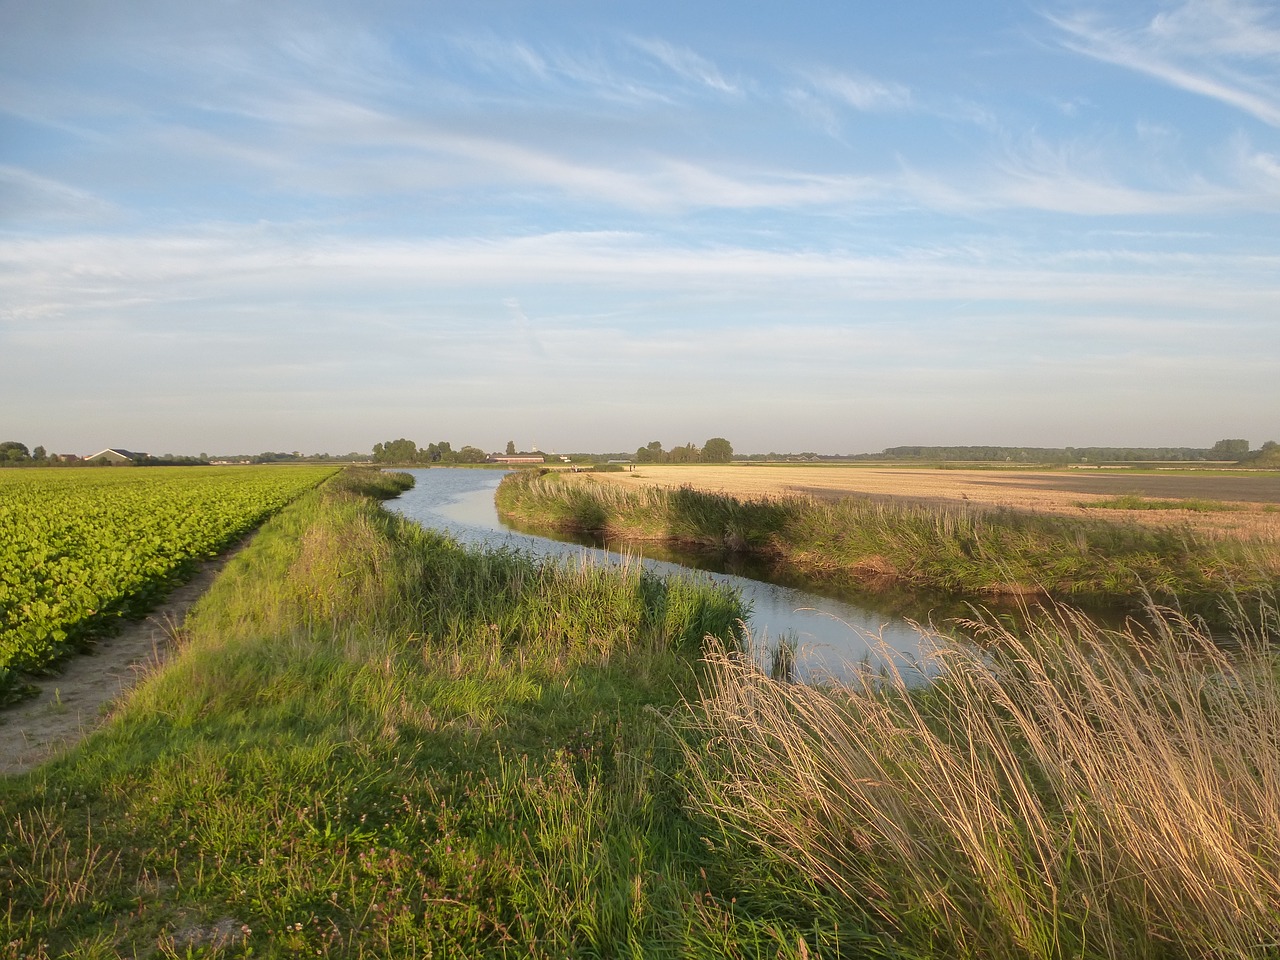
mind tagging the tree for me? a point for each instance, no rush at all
(396, 451)
(14, 451)
(39, 453)
(717, 450)
(470, 454)
(651, 453)
(686, 454)
(1229, 450)
(511, 448)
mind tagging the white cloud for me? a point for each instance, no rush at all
(861, 93)
(685, 63)
(1221, 49)
(173, 279)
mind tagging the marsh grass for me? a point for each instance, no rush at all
(1071, 792)
(972, 552)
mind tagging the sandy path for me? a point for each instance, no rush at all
(74, 703)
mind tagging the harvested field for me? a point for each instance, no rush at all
(1253, 497)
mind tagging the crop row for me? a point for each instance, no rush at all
(81, 547)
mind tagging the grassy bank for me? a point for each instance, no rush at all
(373, 743)
(967, 552)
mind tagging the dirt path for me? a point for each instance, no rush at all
(74, 703)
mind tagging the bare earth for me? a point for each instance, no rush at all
(74, 703)
(1253, 496)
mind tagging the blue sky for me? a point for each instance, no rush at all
(242, 226)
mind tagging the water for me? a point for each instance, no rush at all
(832, 636)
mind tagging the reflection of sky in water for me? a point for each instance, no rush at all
(829, 633)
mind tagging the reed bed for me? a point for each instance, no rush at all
(1037, 491)
(966, 551)
(1071, 792)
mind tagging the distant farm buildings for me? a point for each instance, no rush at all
(115, 455)
(517, 458)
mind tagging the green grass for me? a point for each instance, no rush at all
(1132, 501)
(972, 553)
(376, 743)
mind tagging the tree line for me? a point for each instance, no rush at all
(406, 451)
(1230, 449)
(715, 450)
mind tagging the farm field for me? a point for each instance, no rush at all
(372, 742)
(1111, 553)
(80, 548)
(1253, 497)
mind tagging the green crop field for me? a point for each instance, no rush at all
(80, 547)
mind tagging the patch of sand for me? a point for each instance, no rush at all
(72, 704)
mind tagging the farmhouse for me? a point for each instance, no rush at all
(116, 455)
(502, 458)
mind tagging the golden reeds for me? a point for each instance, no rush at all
(1071, 792)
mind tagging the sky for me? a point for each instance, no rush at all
(583, 226)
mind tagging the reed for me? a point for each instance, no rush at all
(969, 552)
(1072, 792)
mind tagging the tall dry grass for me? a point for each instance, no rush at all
(1074, 792)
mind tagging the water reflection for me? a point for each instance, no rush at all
(830, 634)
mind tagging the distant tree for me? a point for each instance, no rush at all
(1267, 455)
(686, 454)
(14, 452)
(651, 453)
(511, 448)
(469, 454)
(1229, 450)
(440, 452)
(39, 453)
(717, 450)
(396, 451)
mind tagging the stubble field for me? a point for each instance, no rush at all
(1251, 500)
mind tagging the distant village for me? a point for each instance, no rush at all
(13, 453)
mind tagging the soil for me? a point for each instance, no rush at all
(71, 705)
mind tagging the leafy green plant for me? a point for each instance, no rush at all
(81, 548)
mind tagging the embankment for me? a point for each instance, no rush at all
(980, 554)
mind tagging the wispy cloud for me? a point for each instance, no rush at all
(141, 280)
(524, 328)
(860, 92)
(26, 195)
(685, 63)
(1086, 180)
(1222, 49)
(586, 71)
